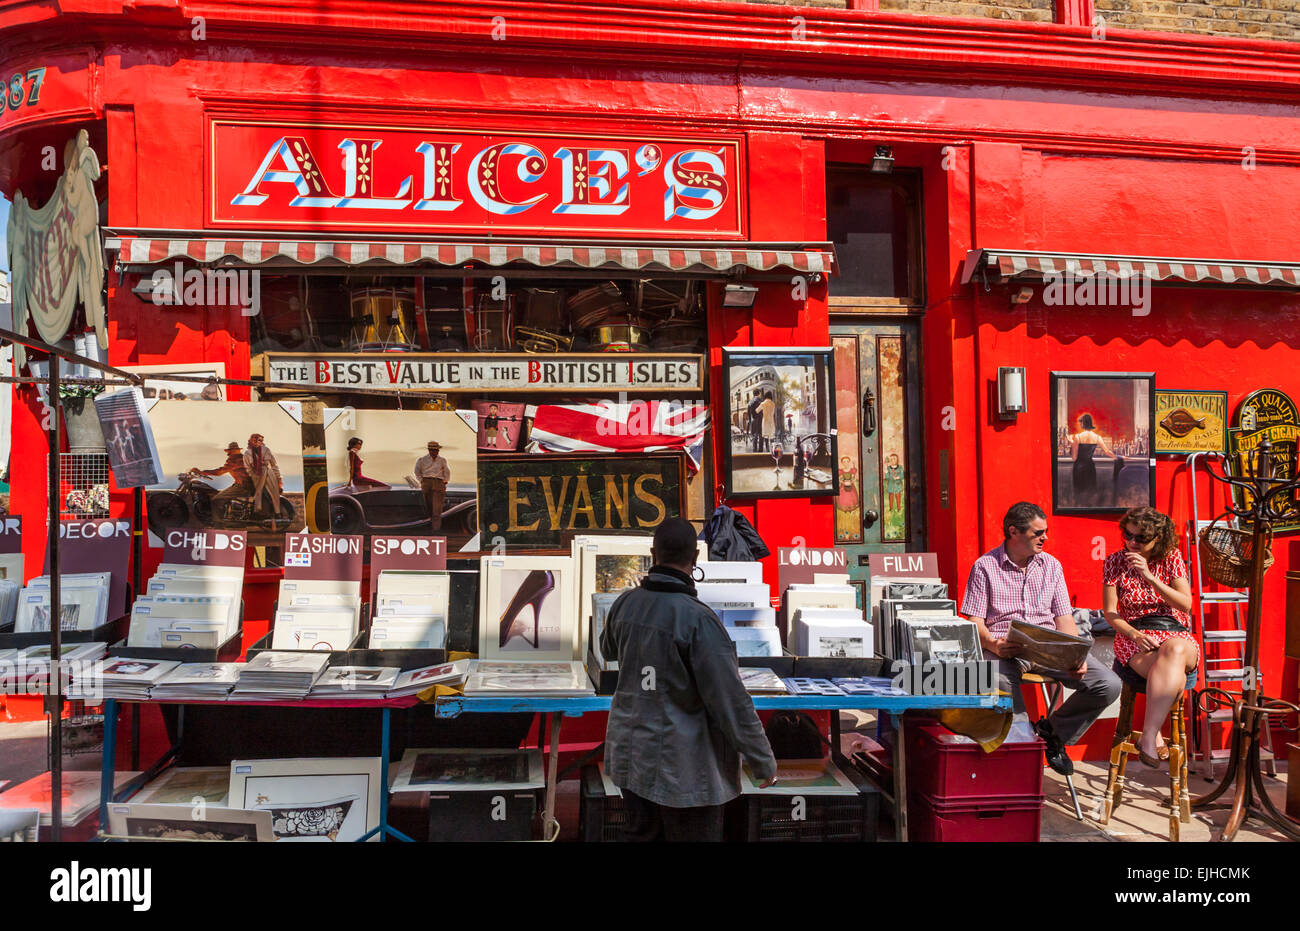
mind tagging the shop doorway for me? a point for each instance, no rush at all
(881, 469)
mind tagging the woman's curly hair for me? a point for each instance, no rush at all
(1156, 525)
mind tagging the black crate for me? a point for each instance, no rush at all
(826, 818)
(782, 665)
(403, 659)
(605, 680)
(109, 632)
(602, 817)
(337, 657)
(847, 667)
(482, 816)
(228, 652)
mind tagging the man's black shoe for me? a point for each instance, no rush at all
(1055, 750)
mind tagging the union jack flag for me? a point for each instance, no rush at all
(621, 427)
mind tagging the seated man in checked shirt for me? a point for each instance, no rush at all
(1019, 580)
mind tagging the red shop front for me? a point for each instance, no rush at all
(695, 147)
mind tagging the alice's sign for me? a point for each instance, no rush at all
(543, 501)
(493, 372)
(438, 178)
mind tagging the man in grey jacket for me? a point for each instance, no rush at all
(680, 718)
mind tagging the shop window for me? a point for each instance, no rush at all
(874, 222)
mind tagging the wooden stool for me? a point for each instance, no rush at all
(1033, 678)
(1124, 745)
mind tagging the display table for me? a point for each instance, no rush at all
(557, 709)
(894, 705)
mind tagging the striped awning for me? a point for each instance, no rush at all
(696, 258)
(996, 264)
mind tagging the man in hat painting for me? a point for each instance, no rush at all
(264, 472)
(433, 473)
(242, 482)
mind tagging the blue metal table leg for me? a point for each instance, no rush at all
(383, 829)
(107, 761)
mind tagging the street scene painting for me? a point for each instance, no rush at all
(781, 423)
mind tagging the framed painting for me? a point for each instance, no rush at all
(1190, 422)
(781, 422)
(175, 823)
(1102, 425)
(528, 608)
(311, 800)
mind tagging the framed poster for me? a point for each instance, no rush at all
(544, 501)
(316, 800)
(781, 423)
(1190, 422)
(1102, 424)
(528, 608)
(1265, 414)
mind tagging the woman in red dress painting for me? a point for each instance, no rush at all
(1146, 597)
(355, 478)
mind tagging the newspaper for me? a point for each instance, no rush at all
(1048, 647)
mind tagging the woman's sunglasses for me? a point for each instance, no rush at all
(1142, 538)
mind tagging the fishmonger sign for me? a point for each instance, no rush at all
(499, 372)
(439, 179)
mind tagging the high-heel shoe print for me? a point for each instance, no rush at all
(537, 585)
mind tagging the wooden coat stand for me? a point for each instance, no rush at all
(1267, 499)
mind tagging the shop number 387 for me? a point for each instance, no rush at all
(22, 90)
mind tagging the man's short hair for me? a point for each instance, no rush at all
(674, 542)
(1019, 516)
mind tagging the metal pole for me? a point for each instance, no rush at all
(55, 698)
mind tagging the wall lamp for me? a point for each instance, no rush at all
(1012, 397)
(739, 295)
(882, 163)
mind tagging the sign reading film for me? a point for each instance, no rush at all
(542, 502)
(1266, 414)
(1190, 422)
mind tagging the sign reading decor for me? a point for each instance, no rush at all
(437, 178)
(459, 372)
(96, 546)
(543, 501)
(11, 534)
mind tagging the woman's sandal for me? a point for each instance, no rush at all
(1153, 762)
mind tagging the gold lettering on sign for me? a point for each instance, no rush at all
(516, 499)
(555, 510)
(653, 500)
(616, 500)
(580, 493)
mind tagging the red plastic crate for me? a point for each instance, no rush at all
(997, 820)
(947, 766)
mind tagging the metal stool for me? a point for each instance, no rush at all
(1033, 678)
(1125, 745)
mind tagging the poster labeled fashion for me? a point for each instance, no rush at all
(1265, 414)
(234, 466)
(1102, 424)
(781, 423)
(528, 608)
(402, 472)
(1190, 422)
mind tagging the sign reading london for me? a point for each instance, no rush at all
(312, 176)
(499, 372)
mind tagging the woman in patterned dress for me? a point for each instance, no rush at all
(1144, 589)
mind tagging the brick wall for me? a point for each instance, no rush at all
(1259, 19)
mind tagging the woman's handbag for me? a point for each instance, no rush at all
(1156, 622)
(1227, 553)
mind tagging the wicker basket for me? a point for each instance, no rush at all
(1227, 554)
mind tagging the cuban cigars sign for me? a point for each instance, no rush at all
(543, 501)
(1266, 414)
(421, 179)
(496, 372)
